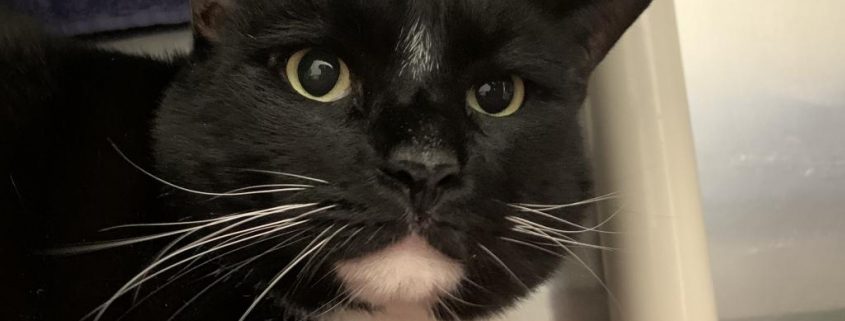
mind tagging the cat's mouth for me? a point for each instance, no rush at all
(408, 271)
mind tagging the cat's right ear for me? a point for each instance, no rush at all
(209, 17)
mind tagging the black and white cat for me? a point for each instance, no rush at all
(320, 160)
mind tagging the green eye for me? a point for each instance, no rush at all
(318, 75)
(497, 97)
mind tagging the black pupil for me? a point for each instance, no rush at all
(319, 72)
(495, 96)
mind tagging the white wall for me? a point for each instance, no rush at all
(766, 83)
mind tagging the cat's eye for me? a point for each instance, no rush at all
(497, 97)
(318, 75)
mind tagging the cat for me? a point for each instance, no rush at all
(310, 160)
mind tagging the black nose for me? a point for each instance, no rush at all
(425, 173)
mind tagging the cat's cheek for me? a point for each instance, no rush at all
(410, 271)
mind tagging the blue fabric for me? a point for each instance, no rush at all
(75, 17)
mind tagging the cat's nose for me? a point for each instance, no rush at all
(425, 173)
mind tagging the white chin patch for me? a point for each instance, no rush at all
(410, 271)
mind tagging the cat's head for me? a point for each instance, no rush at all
(410, 132)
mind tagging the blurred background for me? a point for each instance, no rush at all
(766, 86)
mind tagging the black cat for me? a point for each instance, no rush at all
(310, 160)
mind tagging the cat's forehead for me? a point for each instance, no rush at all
(420, 56)
(416, 38)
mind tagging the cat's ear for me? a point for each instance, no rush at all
(209, 16)
(602, 23)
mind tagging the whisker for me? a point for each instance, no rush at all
(546, 207)
(96, 247)
(315, 267)
(475, 284)
(525, 221)
(184, 189)
(222, 219)
(101, 246)
(193, 266)
(250, 188)
(270, 191)
(609, 219)
(287, 174)
(536, 232)
(459, 300)
(536, 247)
(547, 215)
(237, 268)
(272, 212)
(273, 227)
(143, 277)
(341, 299)
(255, 215)
(288, 268)
(137, 302)
(449, 310)
(255, 190)
(601, 282)
(134, 282)
(504, 266)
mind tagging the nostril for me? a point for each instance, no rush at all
(403, 176)
(448, 181)
(418, 177)
(444, 176)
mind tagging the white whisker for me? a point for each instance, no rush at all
(237, 268)
(273, 227)
(261, 215)
(504, 266)
(475, 284)
(250, 188)
(449, 310)
(547, 215)
(326, 309)
(182, 273)
(305, 253)
(287, 174)
(601, 282)
(134, 282)
(185, 189)
(96, 247)
(237, 238)
(223, 219)
(314, 267)
(459, 300)
(534, 246)
(609, 219)
(535, 231)
(546, 207)
(143, 277)
(525, 221)
(101, 246)
(255, 190)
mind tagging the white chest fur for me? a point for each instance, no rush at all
(402, 281)
(409, 272)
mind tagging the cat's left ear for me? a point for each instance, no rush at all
(209, 17)
(602, 22)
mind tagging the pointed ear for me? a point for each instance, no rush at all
(209, 16)
(602, 23)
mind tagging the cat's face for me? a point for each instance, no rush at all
(418, 125)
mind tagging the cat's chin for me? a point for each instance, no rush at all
(410, 271)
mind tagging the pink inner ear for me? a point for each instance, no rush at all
(209, 17)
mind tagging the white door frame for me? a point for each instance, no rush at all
(638, 124)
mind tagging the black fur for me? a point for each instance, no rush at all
(202, 121)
